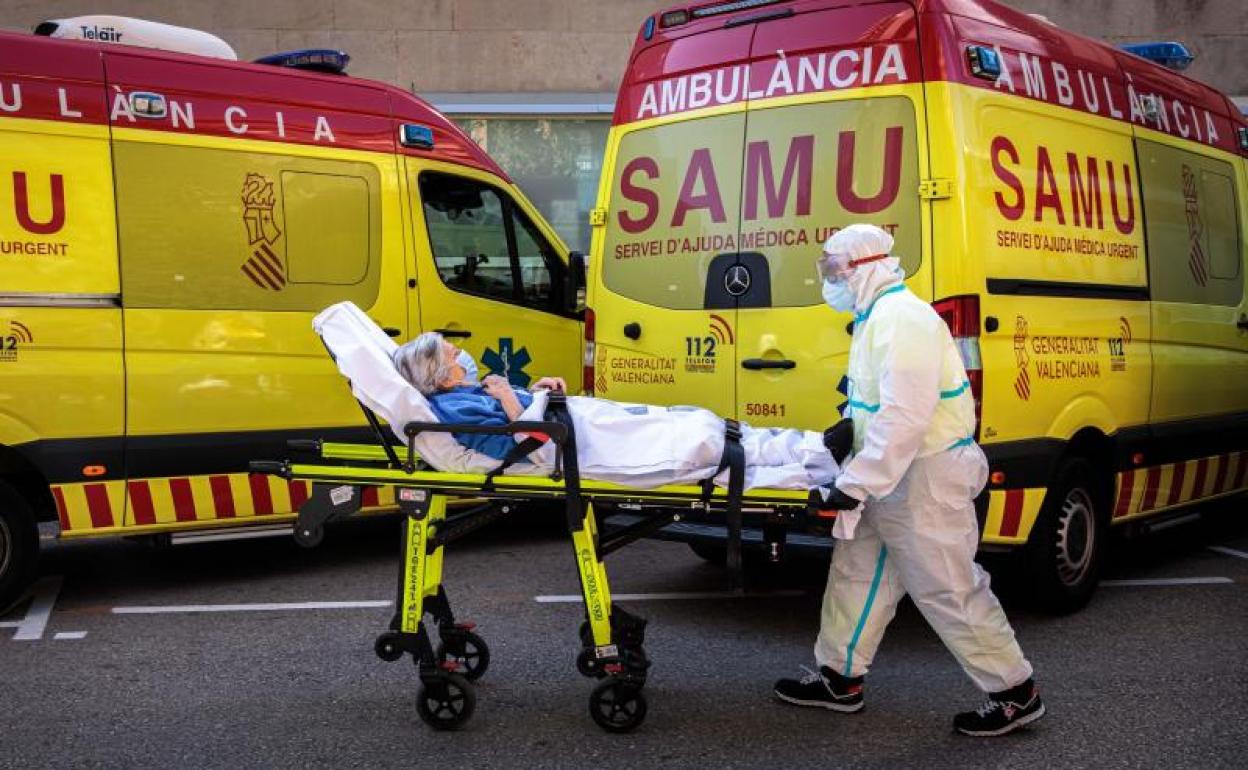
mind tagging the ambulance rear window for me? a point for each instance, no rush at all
(776, 181)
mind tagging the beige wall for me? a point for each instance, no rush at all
(580, 45)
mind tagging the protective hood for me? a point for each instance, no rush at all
(866, 249)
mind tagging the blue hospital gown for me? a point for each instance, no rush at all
(470, 404)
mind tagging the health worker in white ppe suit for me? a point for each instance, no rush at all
(906, 521)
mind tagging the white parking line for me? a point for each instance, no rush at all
(271, 607)
(1229, 551)
(576, 598)
(70, 635)
(1192, 581)
(31, 627)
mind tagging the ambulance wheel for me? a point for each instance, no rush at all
(309, 537)
(19, 546)
(472, 654)
(445, 701)
(1063, 556)
(387, 647)
(617, 707)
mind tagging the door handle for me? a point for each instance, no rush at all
(460, 333)
(1243, 322)
(632, 330)
(392, 331)
(755, 364)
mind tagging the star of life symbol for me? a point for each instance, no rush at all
(509, 363)
(264, 267)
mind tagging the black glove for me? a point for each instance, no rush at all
(839, 439)
(839, 501)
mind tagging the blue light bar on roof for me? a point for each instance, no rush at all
(1172, 56)
(314, 59)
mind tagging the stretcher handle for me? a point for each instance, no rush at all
(312, 445)
(267, 467)
(558, 432)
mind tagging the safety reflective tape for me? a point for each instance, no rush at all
(866, 610)
(1012, 515)
(966, 384)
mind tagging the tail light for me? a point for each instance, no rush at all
(587, 363)
(961, 315)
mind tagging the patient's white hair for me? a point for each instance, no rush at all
(422, 363)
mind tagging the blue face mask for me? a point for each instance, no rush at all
(470, 367)
(838, 295)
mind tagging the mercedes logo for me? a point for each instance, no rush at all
(737, 280)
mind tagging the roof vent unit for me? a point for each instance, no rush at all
(313, 59)
(138, 32)
(1172, 56)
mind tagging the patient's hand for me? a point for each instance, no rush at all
(501, 389)
(551, 383)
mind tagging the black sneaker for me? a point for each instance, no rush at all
(823, 689)
(839, 440)
(1003, 712)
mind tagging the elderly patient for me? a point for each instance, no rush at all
(632, 444)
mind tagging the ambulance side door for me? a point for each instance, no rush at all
(490, 273)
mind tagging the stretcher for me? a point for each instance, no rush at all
(612, 639)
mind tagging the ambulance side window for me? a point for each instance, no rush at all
(483, 244)
(1194, 239)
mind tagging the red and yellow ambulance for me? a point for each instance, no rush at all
(1076, 213)
(170, 223)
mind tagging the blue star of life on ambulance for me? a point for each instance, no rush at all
(508, 362)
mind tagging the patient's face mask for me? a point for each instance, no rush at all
(450, 355)
(469, 365)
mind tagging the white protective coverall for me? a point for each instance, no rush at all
(630, 444)
(917, 467)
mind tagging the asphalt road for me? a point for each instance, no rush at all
(1146, 676)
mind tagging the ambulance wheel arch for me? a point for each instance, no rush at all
(19, 544)
(1062, 560)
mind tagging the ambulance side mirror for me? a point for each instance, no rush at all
(574, 283)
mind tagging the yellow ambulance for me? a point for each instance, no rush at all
(170, 223)
(1076, 213)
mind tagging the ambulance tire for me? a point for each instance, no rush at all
(1063, 557)
(19, 546)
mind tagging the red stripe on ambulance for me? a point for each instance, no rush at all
(183, 499)
(62, 512)
(98, 506)
(141, 502)
(370, 498)
(261, 497)
(1202, 473)
(1176, 484)
(298, 494)
(1151, 486)
(1243, 472)
(222, 497)
(1126, 486)
(1219, 481)
(1012, 516)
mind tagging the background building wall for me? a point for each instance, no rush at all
(466, 46)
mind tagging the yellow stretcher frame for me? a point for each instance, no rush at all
(612, 639)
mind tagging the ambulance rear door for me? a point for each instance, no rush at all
(832, 138)
(667, 300)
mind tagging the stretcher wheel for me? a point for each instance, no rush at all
(617, 707)
(587, 664)
(445, 701)
(469, 651)
(387, 647)
(309, 537)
